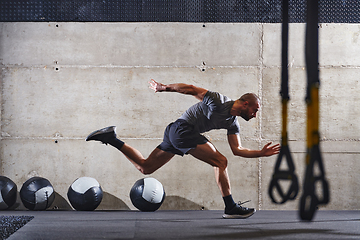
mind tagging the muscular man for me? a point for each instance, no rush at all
(184, 136)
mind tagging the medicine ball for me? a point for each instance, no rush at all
(37, 193)
(147, 194)
(85, 194)
(8, 191)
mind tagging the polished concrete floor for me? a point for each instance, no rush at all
(185, 225)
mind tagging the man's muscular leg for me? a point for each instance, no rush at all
(209, 154)
(156, 159)
(147, 166)
(223, 181)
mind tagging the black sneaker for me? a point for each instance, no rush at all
(239, 212)
(103, 135)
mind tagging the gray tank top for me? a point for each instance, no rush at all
(212, 113)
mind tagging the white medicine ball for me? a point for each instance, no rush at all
(37, 193)
(147, 194)
(85, 194)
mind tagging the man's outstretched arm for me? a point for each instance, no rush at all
(238, 150)
(183, 88)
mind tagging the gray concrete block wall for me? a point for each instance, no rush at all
(60, 81)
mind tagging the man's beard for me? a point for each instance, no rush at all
(245, 116)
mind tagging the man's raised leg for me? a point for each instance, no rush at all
(145, 165)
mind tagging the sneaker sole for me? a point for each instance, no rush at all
(103, 130)
(227, 216)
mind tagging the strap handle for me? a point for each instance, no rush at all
(309, 200)
(284, 176)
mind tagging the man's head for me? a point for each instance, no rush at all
(246, 106)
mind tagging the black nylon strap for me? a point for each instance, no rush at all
(309, 200)
(284, 51)
(289, 174)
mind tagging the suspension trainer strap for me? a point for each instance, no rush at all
(309, 200)
(289, 174)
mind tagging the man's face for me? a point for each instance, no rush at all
(250, 110)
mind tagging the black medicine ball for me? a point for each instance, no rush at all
(8, 192)
(147, 194)
(85, 194)
(37, 193)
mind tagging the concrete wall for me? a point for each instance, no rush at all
(61, 81)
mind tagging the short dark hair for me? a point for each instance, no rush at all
(250, 97)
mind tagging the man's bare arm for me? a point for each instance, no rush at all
(238, 150)
(183, 88)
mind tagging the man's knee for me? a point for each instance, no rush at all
(146, 169)
(149, 167)
(221, 162)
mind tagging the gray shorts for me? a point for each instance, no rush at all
(180, 137)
